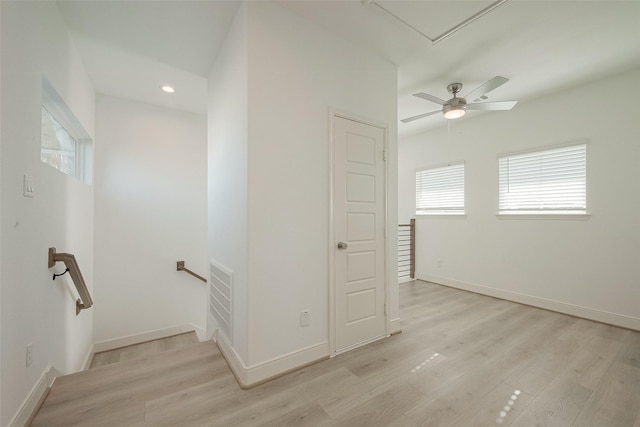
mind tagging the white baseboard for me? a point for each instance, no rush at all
(29, 405)
(89, 358)
(147, 336)
(233, 360)
(251, 376)
(614, 319)
(394, 325)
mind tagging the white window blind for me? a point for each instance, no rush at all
(58, 147)
(64, 143)
(440, 190)
(549, 181)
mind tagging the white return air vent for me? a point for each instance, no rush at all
(221, 297)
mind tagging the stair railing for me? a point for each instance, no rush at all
(71, 264)
(407, 250)
(180, 267)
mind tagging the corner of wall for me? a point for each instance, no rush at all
(35, 398)
(252, 376)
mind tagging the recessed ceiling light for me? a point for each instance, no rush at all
(168, 89)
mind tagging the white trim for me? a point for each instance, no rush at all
(249, 376)
(543, 215)
(147, 336)
(330, 251)
(233, 360)
(31, 401)
(333, 113)
(389, 276)
(422, 215)
(614, 319)
(361, 344)
(89, 358)
(356, 118)
(440, 165)
(394, 327)
(535, 149)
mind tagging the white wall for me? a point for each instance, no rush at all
(271, 91)
(584, 267)
(297, 71)
(150, 211)
(0, 219)
(228, 121)
(35, 45)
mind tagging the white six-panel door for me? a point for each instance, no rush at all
(359, 233)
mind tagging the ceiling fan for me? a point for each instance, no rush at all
(456, 106)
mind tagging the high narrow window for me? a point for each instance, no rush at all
(64, 144)
(440, 190)
(552, 181)
(58, 147)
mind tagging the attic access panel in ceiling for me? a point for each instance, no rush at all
(436, 19)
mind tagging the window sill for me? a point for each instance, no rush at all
(557, 215)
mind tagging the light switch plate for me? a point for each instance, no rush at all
(29, 354)
(27, 186)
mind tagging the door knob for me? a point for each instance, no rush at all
(342, 245)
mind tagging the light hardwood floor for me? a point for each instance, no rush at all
(462, 360)
(143, 349)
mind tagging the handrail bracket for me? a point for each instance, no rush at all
(70, 263)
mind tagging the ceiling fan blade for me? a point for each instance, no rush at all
(492, 84)
(420, 116)
(430, 98)
(494, 106)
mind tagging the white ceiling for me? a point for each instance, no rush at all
(130, 48)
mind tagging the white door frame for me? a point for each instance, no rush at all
(333, 113)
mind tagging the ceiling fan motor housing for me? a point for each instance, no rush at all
(454, 104)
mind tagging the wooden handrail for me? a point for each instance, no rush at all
(70, 262)
(180, 267)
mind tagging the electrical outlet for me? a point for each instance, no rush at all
(439, 263)
(304, 318)
(29, 354)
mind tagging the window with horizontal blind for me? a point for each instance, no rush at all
(440, 190)
(552, 181)
(58, 147)
(64, 143)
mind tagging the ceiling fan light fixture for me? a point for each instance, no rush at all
(456, 107)
(453, 111)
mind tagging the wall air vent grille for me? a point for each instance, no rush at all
(221, 297)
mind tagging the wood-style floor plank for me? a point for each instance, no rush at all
(463, 360)
(143, 349)
(615, 400)
(116, 394)
(558, 405)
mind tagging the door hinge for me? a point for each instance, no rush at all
(384, 155)
(385, 309)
